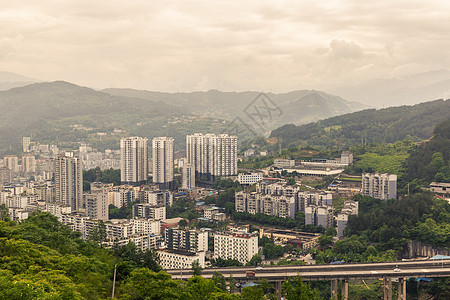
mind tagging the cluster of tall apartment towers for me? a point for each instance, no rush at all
(207, 157)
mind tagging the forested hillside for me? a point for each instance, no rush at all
(382, 229)
(430, 161)
(369, 126)
(42, 259)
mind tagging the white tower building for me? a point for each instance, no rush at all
(188, 176)
(69, 181)
(29, 163)
(162, 157)
(212, 155)
(133, 160)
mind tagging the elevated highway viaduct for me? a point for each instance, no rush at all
(333, 273)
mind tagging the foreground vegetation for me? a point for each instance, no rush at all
(42, 259)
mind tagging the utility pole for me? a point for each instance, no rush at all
(114, 281)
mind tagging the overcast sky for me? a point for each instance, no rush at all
(228, 45)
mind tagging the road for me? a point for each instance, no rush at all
(423, 268)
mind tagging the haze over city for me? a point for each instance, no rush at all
(272, 46)
(241, 150)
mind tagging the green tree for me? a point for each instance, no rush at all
(220, 281)
(203, 289)
(196, 268)
(231, 284)
(4, 213)
(98, 233)
(145, 284)
(255, 260)
(297, 289)
(437, 161)
(183, 223)
(252, 293)
(288, 248)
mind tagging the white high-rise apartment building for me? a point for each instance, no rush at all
(238, 245)
(29, 163)
(380, 186)
(11, 162)
(69, 181)
(212, 155)
(162, 157)
(188, 176)
(133, 160)
(26, 141)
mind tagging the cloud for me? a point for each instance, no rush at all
(186, 45)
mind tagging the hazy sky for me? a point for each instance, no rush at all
(228, 45)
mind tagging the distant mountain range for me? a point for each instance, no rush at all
(66, 113)
(55, 111)
(369, 126)
(296, 107)
(48, 110)
(412, 89)
(9, 80)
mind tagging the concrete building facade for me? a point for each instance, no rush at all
(380, 186)
(133, 160)
(241, 246)
(178, 259)
(69, 181)
(162, 159)
(188, 176)
(249, 179)
(319, 216)
(186, 240)
(97, 205)
(212, 155)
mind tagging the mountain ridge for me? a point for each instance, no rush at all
(229, 105)
(414, 122)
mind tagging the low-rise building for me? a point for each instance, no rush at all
(142, 242)
(157, 198)
(380, 186)
(319, 216)
(57, 209)
(177, 259)
(241, 246)
(350, 208)
(209, 212)
(149, 211)
(346, 157)
(186, 240)
(221, 217)
(250, 178)
(283, 163)
(441, 188)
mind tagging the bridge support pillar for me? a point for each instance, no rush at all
(345, 289)
(387, 287)
(402, 288)
(278, 288)
(334, 288)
